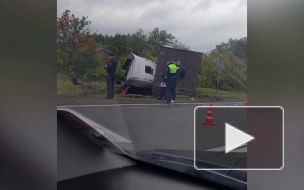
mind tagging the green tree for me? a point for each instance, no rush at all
(157, 38)
(68, 27)
(232, 77)
(207, 75)
(138, 43)
(76, 52)
(82, 54)
(236, 48)
(118, 44)
(179, 45)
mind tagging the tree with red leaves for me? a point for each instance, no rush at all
(75, 51)
(69, 26)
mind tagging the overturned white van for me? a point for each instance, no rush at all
(140, 71)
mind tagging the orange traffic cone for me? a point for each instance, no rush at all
(209, 118)
(246, 102)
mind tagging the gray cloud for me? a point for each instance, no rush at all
(201, 24)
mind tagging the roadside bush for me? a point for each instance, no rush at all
(225, 87)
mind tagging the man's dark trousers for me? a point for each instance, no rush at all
(169, 86)
(174, 90)
(110, 87)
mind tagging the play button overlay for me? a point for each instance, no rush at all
(238, 137)
(235, 138)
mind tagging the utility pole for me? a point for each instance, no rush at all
(219, 66)
(218, 80)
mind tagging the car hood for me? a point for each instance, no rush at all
(177, 160)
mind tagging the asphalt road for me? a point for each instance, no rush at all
(151, 127)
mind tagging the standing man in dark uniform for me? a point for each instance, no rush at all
(111, 72)
(170, 74)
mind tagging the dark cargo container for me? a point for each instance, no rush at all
(190, 60)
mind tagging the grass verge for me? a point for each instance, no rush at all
(210, 92)
(66, 88)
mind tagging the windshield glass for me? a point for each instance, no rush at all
(140, 88)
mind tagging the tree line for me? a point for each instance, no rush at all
(234, 75)
(82, 53)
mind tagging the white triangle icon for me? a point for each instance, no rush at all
(235, 138)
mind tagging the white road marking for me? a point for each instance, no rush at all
(218, 149)
(240, 150)
(222, 149)
(137, 107)
(161, 104)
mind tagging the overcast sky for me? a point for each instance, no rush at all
(201, 24)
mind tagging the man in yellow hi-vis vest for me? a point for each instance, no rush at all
(170, 74)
